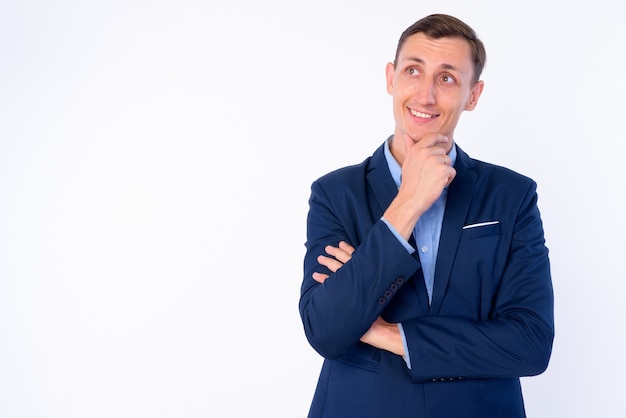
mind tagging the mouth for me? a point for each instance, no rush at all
(421, 115)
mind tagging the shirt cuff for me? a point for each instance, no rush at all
(400, 238)
(406, 357)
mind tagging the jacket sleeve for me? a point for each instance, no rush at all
(514, 336)
(338, 312)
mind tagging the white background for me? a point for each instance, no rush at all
(155, 164)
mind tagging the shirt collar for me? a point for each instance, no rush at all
(396, 169)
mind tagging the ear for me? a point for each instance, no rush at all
(390, 73)
(475, 93)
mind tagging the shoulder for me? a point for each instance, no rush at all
(352, 175)
(345, 174)
(495, 175)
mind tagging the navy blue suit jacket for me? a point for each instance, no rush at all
(491, 316)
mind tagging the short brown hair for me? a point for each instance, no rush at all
(444, 26)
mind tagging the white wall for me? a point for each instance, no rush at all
(155, 164)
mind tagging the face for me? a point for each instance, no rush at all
(431, 84)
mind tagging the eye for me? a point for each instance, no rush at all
(448, 79)
(412, 71)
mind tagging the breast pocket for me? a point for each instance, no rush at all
(479, 244)
(476, 271)
(480, 230)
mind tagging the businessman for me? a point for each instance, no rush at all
(427, 284)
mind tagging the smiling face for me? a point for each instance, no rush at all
(432, 83)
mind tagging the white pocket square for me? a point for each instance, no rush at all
(480, 224)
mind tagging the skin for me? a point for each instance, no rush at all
(432, 84)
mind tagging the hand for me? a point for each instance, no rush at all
(340, 256)
(426, 171)
(426, 166)
(384, 335)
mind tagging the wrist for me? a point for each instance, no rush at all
(403, 215)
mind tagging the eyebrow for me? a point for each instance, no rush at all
(444, 66)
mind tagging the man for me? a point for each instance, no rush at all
(427, 283)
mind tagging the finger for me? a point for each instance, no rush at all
(339, 253)
(320, 277)
(451, 176)
(331, 263)
(349, 249)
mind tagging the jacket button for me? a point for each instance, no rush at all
(381, 301)
(400, 281)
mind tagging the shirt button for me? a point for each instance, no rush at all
(424, 248)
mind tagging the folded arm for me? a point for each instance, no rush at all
(381, 334)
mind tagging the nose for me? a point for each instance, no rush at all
(425, 92)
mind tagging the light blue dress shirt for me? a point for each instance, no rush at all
(426, 233)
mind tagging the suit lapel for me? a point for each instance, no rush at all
(381, 185)
(457, 205)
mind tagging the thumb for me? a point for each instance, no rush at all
(408, 142)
